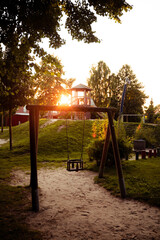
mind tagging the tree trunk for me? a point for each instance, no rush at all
(10, 128)
(2, 122)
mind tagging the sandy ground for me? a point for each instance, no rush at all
(3, 141)
(72, 207)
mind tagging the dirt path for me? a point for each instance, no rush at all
(3, 141)
(72, 207)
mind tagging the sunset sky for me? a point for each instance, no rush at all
(135, 42)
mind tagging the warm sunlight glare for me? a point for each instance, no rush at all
(65, 100)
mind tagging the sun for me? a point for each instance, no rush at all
(65, 100)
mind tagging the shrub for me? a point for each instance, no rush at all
(148, 134)
(95, 148)
(130, 128)
(157, 135)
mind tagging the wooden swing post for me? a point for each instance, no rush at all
(34, 123)
(117, 156)
(111, 132)
(105, 152)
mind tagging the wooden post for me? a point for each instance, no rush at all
(117, 156)
(10, 128)
(143, 152)
(34, 119)
(37, 127)
(137, 155)
(2, 120)
(150, 153)
(105, 152)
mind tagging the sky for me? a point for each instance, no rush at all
(136, 42)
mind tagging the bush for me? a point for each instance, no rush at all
(95, 148)
(157, 135)
(148, 134)
(130, 128)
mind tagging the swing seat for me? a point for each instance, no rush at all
(75, 165)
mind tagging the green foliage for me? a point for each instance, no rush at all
(146, 133)
(150, 113)
(108, 89)
(157, 134)
(99, 128)
(48, 81)
(135, 96)
(32, 20)
(16, 86)
(95, 148)
(116, 87)
(149, 132)
(99, 82)
(130, 128)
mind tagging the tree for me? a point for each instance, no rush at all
(34, 20)
(99, 81)
(48, 81)
(135, 96)
(115, 93)
(108, 89)
(2, 97)
(15, 82)
(150, 113)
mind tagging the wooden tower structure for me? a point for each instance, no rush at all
(81, 96)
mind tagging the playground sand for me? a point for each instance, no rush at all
(72, 207)
(3, 141)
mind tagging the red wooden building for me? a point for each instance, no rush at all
(21, 116)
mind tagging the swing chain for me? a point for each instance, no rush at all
(67, 139)
(83, 138)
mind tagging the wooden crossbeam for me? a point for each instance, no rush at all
(70, 108)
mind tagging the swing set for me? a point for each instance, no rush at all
(71, 163)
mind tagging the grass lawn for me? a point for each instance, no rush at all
(142, 180)
(142, 177)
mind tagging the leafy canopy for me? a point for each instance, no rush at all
(48, 81)
(31, 20)
(108, 88)
(24, 23)
(135, 96)
(99, 81)
(150, 112)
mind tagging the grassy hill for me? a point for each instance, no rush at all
(52, 141)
